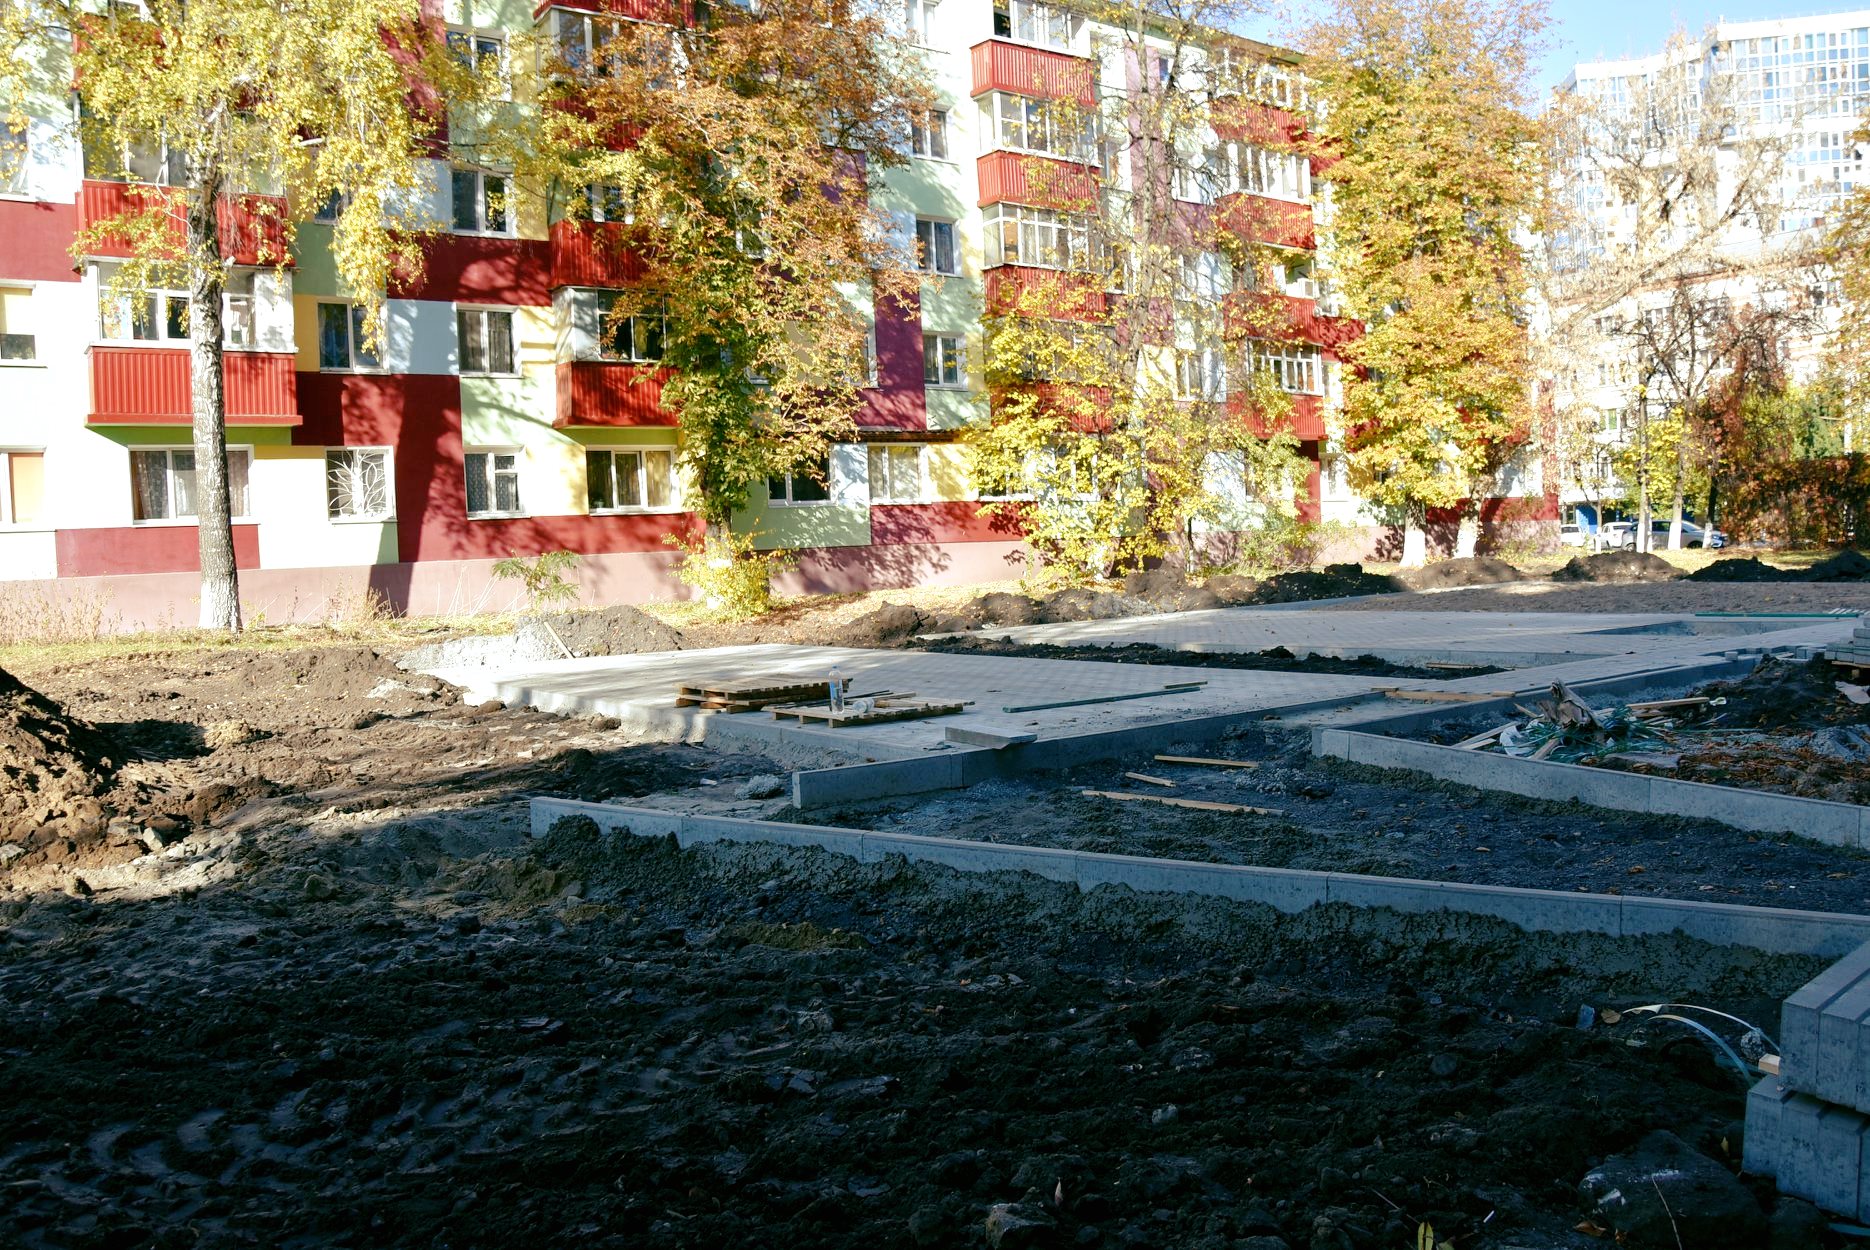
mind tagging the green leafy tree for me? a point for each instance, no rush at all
(1428, 118)
(270, 107)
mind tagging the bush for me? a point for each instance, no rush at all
(1283, 545)
(733, 579)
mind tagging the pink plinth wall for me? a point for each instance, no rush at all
(129, 602)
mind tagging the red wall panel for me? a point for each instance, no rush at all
(252, 226)
(1015, 177)
(896, 524)
(145, 549)
(35, 241)
(1001, 66)
(1078, 297)
(897, 401)
(480, 269)
(1306, 421)
(592, 254)
(607, 393)
(1261, 219)
(150, 386)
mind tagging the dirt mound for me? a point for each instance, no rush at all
(1232, 588)
(1743, 569)
(892, 625)
(319, 672)
(1845, 566)
(1466, 571)
(619, 630)
(1078, 604)
(1337, 581)
(1003, 608)
(52, 768)
(1617, 566)
(1785, 694)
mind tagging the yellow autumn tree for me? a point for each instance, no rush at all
(1427, 117)
(232, 120)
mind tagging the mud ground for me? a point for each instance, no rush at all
(1274, 660)
(347, 1003)
(1676, 596)
(1340, 817)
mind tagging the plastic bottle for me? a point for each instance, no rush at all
(837, 689)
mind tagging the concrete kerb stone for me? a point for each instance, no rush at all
(1762, 1144)
(1289, 890)
(1801, 1016)
(1835, 824)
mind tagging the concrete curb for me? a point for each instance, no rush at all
(1779, 932)
(1835, 824)
(956, 769)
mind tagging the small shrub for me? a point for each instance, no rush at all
(542, 577)
(733, 579)
(38, 617)
(1285, 544)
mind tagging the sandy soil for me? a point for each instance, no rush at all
(1545, 596)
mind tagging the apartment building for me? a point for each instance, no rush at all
(1797, 88)
(499, 418)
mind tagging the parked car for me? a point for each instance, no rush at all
(1572, 536)
(1613, 535)
(1691, 535)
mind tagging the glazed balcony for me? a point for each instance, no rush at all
(1041, 181)
(252, 226)
(151, 386)
(1003, 66)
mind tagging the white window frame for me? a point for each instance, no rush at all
(494, 473)
(485, 313)
(469, 39)
(6, 332)
(352, 455)
(916, 18)
(608, 327)
(1200, 374)
(353, 339)
(945, 343)
(789, 478)
(641, 454)
(883, 485)
(7, 520)
(481, 203)
(1267, 172)
(1037, 24)
(240, 510)
(928, 134)
(595, 196)
(928, 254)
(1010, 122)
(15, 159)
(239, 308)
(1297, 370)
(1037, 226)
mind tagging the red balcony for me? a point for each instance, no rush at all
(1289, 319)
(1261, 219)
(607, 393)
(1016, 178)
(1306, 420)
(1001, 66)
(150, 386)
(666, 12)
(588, 253)
(1054, 293)
(1249, 121)
(252, 226)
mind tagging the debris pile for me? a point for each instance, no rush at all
(53, 767)
(1617, 566)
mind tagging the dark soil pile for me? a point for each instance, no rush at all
(1079, 604)
(319, 673)
(1743, 569)
(1784, 694)
(892, 625)
(1276, 660)
(1466, 571)
(1335, 582)
(1004, 608)
(1617, 566)
(53, 767)
(1845, 566)
(1169, 589)
(619, 630)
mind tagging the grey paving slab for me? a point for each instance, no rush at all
(1799, 1017)
(1839, 1065)
(1761, 1145)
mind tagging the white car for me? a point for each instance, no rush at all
(1613, 535)
(1572, 536)
(1691, 535)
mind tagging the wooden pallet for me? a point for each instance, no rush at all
(884, 710)
(748, 696)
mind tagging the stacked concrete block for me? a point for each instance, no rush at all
(1809, 1127)
(1856, 652)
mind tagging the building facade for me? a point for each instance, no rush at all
(1788, 92)
(497, 418)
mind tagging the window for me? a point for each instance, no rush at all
(935, 251)
(162, 483)
(341, 338)
(636, 480)
(941, 360)
(1293, 369)
(161, 315)
(327, 213)
(1044, 237)
(357, 484)
(637, 338)
(1055, 127)
(583, 39)
(1200, 375)
(608, 203)
(896, 474)
(919, 21)
(493, 482)
(22, 487)
(1296, 278)
(149, 161)
(928, 134)
(18, 345)
(806, 484)
(480, 203)
(1262, 171)
(239, 326)
(486, 340)
(479, 51)
(14, 149)
(1030, 22)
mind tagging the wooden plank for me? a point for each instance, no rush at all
(1204, 762)
(1146, 779)
(1481, 740)
(1447, 696)
(1656, 705)
(1769, 1064)
(1197, 804)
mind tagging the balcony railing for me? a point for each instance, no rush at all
(252, 227)
(610, 393)
(151, 386)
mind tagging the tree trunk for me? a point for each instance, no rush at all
(1415, 542)
(1681, 489)
(1467, 537)
(220, 581)
(1639, 541)
(1714, 498)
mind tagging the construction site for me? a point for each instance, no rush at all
(1312, 914)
